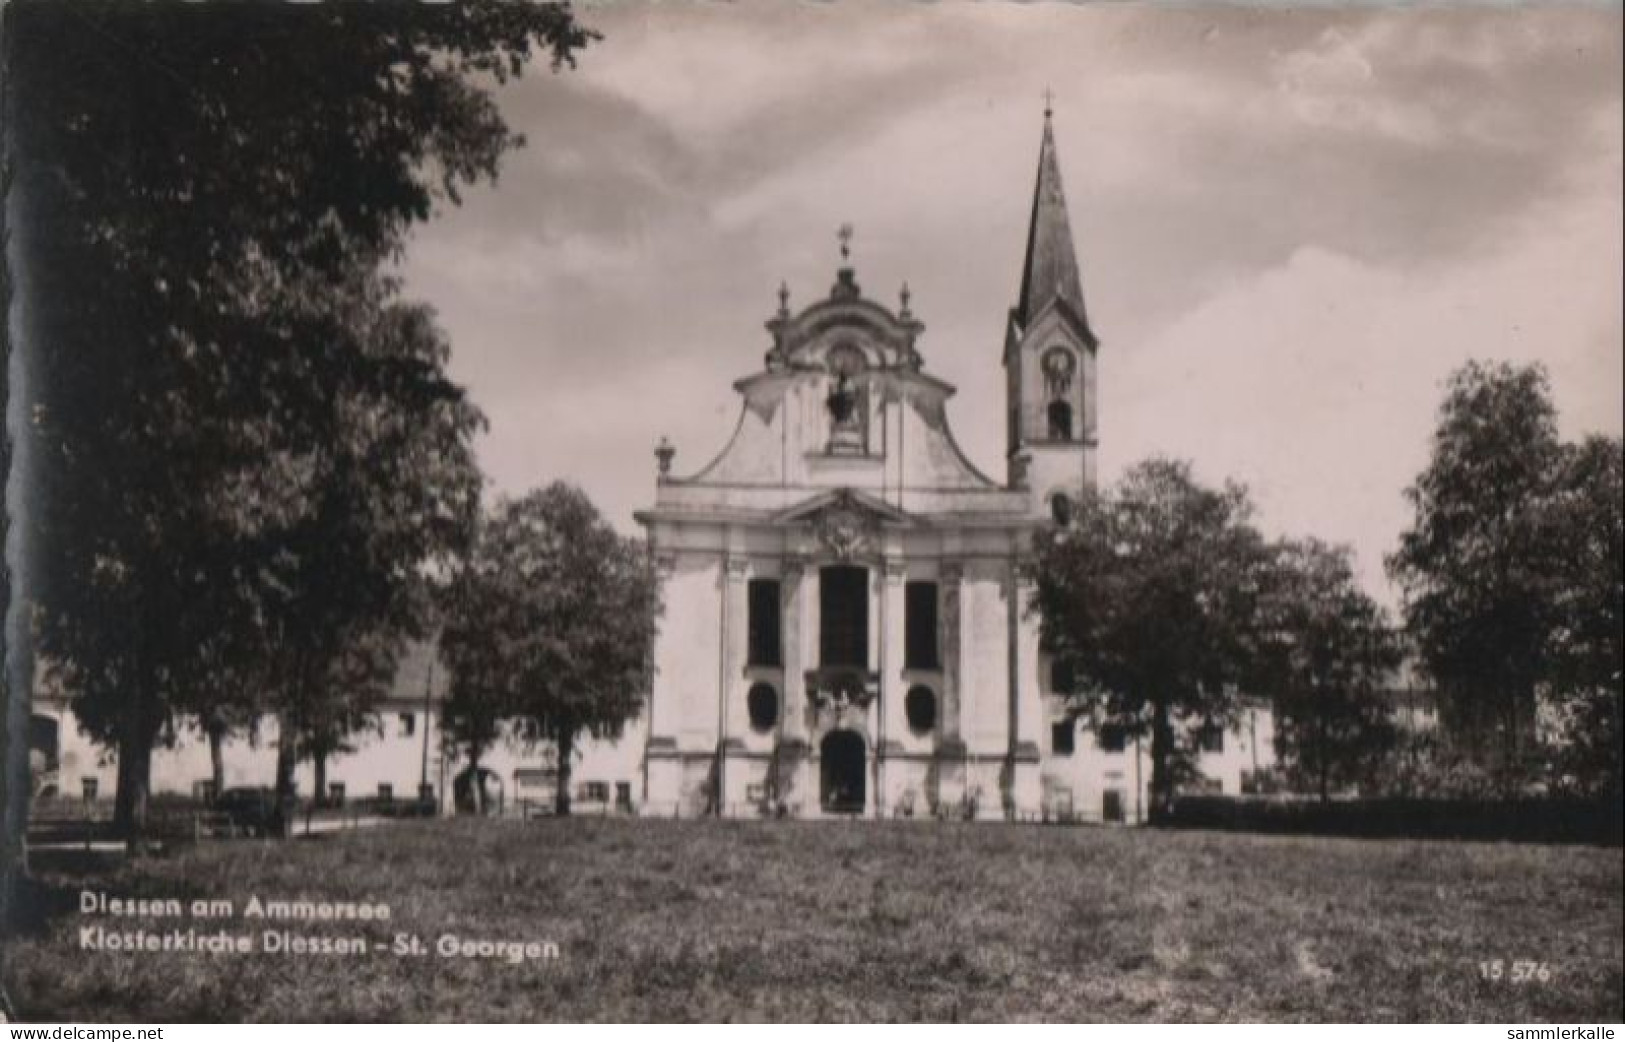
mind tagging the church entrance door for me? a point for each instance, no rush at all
(841, 763)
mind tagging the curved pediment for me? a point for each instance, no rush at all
(845, 318)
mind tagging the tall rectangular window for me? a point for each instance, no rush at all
(920, 616)
(764, 623)
(843, 616)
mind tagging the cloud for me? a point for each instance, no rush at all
(1292, 223)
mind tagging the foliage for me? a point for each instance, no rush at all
(550, 623)
(1587, 659)
(1430, 765)
(1333, 725)
(1476, 565)
(1513, 575)
(225, 394)
(1153, 596)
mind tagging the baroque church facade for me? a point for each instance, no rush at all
(847, 627)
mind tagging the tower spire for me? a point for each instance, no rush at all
(1050, 269)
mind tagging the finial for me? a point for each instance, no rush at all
(1049, 103)
(844, 233)
(663, 455)
(784, 298)
(904, 296)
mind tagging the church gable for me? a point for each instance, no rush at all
(843, 401)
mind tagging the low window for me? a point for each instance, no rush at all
(1060, 508)
(920, 614)
(593, 792)
(335, 793)
(1061, 737)
(920, 706)
(762, 702)
(386, 792)
(764, 622)
(1212, 739)
(1111, 805)
(623, 794)
(409, 725)
(88, 787)
(1111, 738)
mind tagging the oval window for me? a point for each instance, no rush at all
(763, 704)
(920, 706)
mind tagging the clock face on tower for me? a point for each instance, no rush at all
(1058, 365)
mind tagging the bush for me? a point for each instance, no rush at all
(1527, 819)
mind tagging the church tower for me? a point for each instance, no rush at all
(1049, 355)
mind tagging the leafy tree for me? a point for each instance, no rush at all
(475, 615)
(568, 610)
(1152, 595)
(211, 190)
(387, 482)
(1478, 565)
(1333, 654)
(1586, 658)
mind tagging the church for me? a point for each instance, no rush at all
(846, 627)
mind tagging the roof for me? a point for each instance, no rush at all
(1049, 272)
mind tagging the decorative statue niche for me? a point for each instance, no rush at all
(846, 400)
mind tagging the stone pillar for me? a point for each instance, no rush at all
(950, 760)
(791, 752)
(952, 576)
(889, 719)
(1026, 701)
(662, 766)
(731, 673)
(792, 723)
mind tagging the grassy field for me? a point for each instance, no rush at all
(830, 921)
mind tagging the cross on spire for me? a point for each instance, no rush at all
(844, 233)
(1049, 102)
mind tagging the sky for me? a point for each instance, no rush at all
(1293, 224)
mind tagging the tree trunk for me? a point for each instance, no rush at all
(1320, 752)
(561, 798)
(286, 761)
(134, 772)
(1162, 779)
(217, 757)
(320, 768)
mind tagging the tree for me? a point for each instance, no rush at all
(386, 484)
(211, 191)
(1152, 596)
(551, 623)
(1334, 651)
(1586, 658)
(475, 614)
(1478, 565)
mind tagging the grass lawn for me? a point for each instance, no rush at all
(831, 921)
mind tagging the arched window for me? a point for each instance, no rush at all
(1061, 509)
(1060, 421)
(762, 702)
(920, 707)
